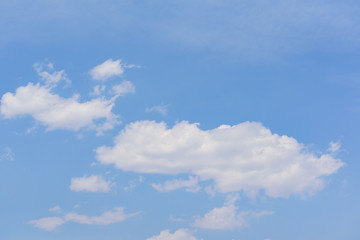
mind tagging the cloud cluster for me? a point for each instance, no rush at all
(92, 183)
(56, 112)
(245, 157)
(181, 234)
(109, 217)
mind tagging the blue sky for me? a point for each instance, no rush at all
(179, 120)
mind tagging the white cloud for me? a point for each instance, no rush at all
(48, 74)
(107, 69)
(191, 185)
(123, 88)
(181, 234)
(49, 223)
(92, 183)
(55, 209)
(245, 157)
(56, 112)
(227, 217)
(334, 147)
(98, 90)
(7, 154)
(109, 217)
(162, 109)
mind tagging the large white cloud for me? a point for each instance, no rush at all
(106, 218)
(56, 112)
(244, 157)
(92, 183)
(181, 234)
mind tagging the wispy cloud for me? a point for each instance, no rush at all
(106, 218)
(55, 209)
(49, 75)
(162, 109)
(123, 88)
(181, 234)
(334, 147)
(6, 154)
(191, 185)
(227, 217)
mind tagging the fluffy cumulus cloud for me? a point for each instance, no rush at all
(56, 112)
(247, 157)
(181, 234)
(190, 185)
(227, 217)
(107, 69)
(109, 217)
(92, 183)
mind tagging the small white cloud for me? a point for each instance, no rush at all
(56, 112)
(50, 223)
(107, 69)
(48, 74)
(246, 157)
(334, 147)
(210, 190)
(123, 88)
(30, 130)
(7, 154)
(92, 183)
(227, 217)
(162, 109)
(131, 185)
(98, 90)
(191, 185)
(181, 234)
(55, 209)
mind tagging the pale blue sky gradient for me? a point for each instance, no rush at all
(292, 66)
